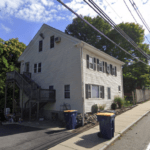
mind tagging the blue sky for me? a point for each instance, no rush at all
(23, 18)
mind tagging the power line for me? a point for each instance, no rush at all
(147, 39)
(130, 11)
(133, 16)
(99, 31)
(118, 29)
(113, 10)
(139, 14)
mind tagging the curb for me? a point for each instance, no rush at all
(119, 134)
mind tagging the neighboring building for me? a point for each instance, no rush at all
(65, 70)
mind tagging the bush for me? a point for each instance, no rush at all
(94, 108)
(119, 101)
(113, 106)
(102, 107)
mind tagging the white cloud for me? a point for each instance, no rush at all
(50, 10)
(7, 30)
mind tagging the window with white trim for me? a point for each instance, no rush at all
(37, 67)
(95, 91)
(91, 62)
(67, 91)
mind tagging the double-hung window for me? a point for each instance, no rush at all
(40, 45)
(101, 66)
(91, 62)
(67, 91)
(95, 91)
(37, 67)
(52, 41)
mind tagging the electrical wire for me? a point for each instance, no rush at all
(139, 14)
(133, 16)
(99, 31)
(118, 29)
(113, 10)
(130, 11)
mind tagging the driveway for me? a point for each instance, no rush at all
(14, 136)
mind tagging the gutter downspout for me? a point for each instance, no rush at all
(82, 82)
(122, 83)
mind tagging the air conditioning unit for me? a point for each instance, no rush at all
(57, 39)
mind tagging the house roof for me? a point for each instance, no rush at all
(73, 39)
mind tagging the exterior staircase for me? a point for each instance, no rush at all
(33, 91)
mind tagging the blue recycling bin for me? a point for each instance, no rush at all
(106, 123)
(70, 118)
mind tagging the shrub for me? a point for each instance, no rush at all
(119, 101)
(101, 107)
(94, 108)
(113, 106)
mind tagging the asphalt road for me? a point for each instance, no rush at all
(19, 137)
(136, 138)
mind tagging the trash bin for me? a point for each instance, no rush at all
(109, 111)
(70, 118)
(106, 122)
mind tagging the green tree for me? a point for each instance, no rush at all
(135, 32)
(9, 53)
(84, 32)
(136, 74)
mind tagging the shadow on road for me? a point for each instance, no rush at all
(11, 129)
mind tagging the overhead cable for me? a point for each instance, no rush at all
(100, 32)
(113, 10)
(130, 11)
(133, 16)
(139, 14)
(118, 29)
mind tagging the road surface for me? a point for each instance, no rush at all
(19, 137)
(136, 138)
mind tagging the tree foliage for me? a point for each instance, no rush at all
(9, 53)
(135, 73)
(84, 32)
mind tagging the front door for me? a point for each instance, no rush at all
(27, 67)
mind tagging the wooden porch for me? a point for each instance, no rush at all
(37, 96)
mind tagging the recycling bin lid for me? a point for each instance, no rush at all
(70, 110)
(105, 114)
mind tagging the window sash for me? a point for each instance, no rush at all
(39, 67)
(67, 91)
(95, 91)
(101, 66)
(35, 68)
(67, 94)
(91, 62)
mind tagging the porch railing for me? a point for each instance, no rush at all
(31, 89)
